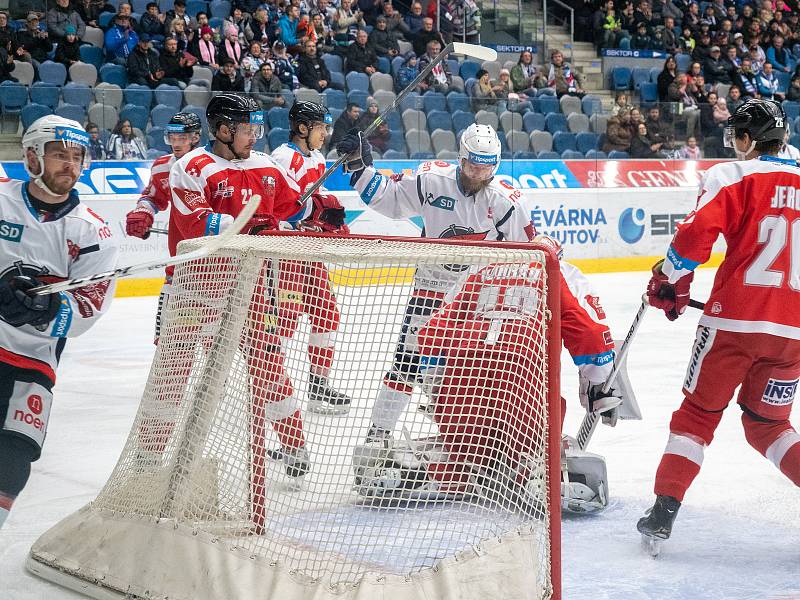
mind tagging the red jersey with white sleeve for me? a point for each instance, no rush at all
(306, 169)
(157, 193)
(755, 205)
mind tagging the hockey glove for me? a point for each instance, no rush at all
(18, 308)
(139, 221)
(594, 399)
(672, 298)
(261, 225)
(327, 215)
(358, 152)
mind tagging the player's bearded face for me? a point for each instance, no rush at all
(62, 167)
(245, 138)
(475, 177)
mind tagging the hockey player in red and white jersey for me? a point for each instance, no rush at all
(310, 123)
(46, 235)
(749, 334)
(209, 188)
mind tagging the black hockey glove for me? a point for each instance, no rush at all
(358, 152)
(18, 308)
(594, 399)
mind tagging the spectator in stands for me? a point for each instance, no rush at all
(267, 87)
(89, 12)
(691, 151)
(143, 64)
(204, 49)
(327, 11)
(621, 104)
(346, 23)
(699, 89)
(702, 48)
(202, 21)
(369, 8)
(686, 41)
(257, 28)
(691, 17)
(708, 127)
(61, 15)
(414, 19)
(284, 66)
(668, 34)
(346, 121)
(231, 48)
(33, 44)
(369, 115)
(440, 80)
(126, 9)
(176, 66)
(732, 61)
(618, 133)
(512, 100)
(361, 56)
(793, 93)
(406, 73)
(734, 98)
(667, 9)
(562, 78)
(738, 43)
(227, 79)
(768, 83)
(68, 52)
(689, 110)
(658, 130)
(395, 24)
(7, 65)
(96, 149)
(746, 79)
(612, 29)
(485, 93)
(153, 23)
(120, 40)
(525, 75)
(628, 19)
(721, 113)
(779, 57)
(322, 34)
(666, 77)
(179, 12)
(124, 145)
(641, 40)
(288, 24)
(6, 33)
(643, 147)
(311, 70)
(715, 69)
(238, 19)
(757, 56)
(251, 63)
(425, 36)
(177, 30)
(383, 41)
(246, 6)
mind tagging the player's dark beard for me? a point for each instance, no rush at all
(473, 186)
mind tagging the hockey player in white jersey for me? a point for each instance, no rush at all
(310, 123)
(46, 235)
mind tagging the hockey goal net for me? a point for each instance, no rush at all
(229, 487)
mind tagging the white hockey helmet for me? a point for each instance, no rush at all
(480, 146)
(52, 128)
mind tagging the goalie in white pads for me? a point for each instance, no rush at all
(466, 201)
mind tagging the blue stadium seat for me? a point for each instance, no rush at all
(524, 155)
(683, 61)
(586, 141)
(77, 93)
(195, 6)
(618, 155)
(434, 101)
(468, 69)
(220, 8)
(218, 23)
(45, 93)
(794, 140)
(548, 155)
(161, 114)
(453, 65)
(422, 156)
(591, 105)
(469, 86)
(52, 72)
(337, 80)
(72, 111)
(397, 141)
(554, 123)
(92, 55)
(154, 153)
(462, 119)
(333, 62)
(384, 66)
(169, 95)
(640, 75)
(792, 109)
(358, 97)
(278, 118)
(648, 92)
(278, 136)
(104, 20)
(572, 155)
(532, 121)
(139, 6)
(397, 62)
(621, 78)
(547, 104)
(136, 114)
(115, 74)
(439, 119)
(334, 99)
(395, 155)
(30, 112)
(140, 95)
(563, 140)
(155, 139)
(458, 101)
(596, 155)
(654, 73)
(784, 79)
(261, 144)
(413, 100)
(395, 122)
(357, 81)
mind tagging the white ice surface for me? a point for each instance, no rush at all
(737, 535)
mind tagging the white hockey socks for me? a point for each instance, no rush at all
(388, 407)
(3, 515)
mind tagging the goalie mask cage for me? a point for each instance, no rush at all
(462, 502)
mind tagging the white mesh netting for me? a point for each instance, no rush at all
(245, 475)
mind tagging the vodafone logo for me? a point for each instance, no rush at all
(35, 404)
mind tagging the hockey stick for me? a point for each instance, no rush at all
(158, 230)
(472, 50)
(216, 242)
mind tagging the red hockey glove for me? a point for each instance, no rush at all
(261, 225)
(550, 242)
(139, 221)
(672, 298)
(327, 215)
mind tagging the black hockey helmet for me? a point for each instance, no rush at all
(763, 120)
(308, 113)
(184, 123)
(231, 108)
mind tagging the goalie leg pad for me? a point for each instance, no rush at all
(584, 488)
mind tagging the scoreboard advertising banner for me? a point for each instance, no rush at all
(608, 215)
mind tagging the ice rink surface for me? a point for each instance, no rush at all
(737, 536)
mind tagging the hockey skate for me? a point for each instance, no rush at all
(656, 525)
(296, 461)
(373, 453)
(325, 400)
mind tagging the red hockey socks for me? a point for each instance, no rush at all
(778, 442)
(290, 430)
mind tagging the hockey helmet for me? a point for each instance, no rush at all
(763, 120)
(480, 148)
(230, 109)
(182, 123)
(308, 113)
(52, 128)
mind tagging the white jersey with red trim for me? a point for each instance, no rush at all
(306, 169)
(208, 192)
(755, 205)
(433, 193)
(72, 242)
(157, 193)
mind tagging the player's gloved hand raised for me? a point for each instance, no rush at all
(594, 399)
(18, 307)
(357, 150)
(327, 215)
(672, 298)
(139, 221)
(262, 225)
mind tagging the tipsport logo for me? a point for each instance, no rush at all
(631, 225)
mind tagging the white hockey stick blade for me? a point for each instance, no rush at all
(216, 242)
(475, 51)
